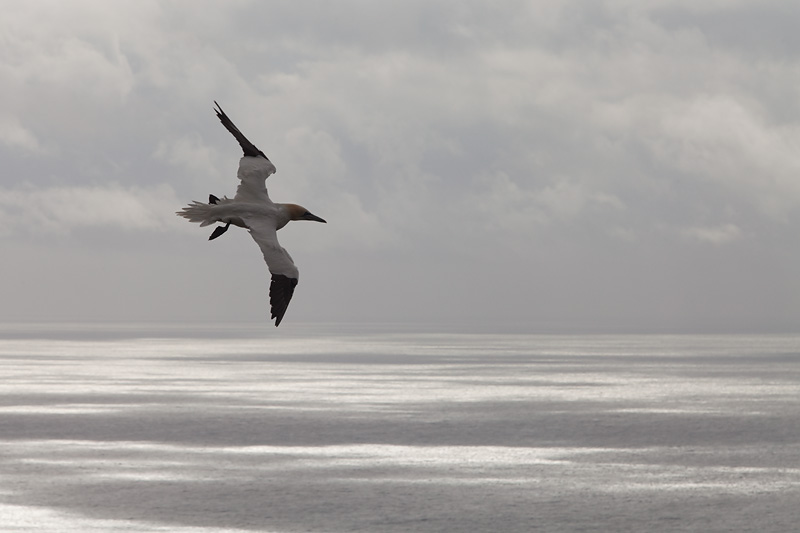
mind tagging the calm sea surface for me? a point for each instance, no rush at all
(307, 428)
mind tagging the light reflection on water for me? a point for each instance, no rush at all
(173, 430)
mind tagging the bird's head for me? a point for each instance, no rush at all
(298, 212)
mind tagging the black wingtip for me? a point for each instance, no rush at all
(248, 148)
(213, 199)
(280, 294)
(221, 114)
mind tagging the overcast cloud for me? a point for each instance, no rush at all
(610, 164)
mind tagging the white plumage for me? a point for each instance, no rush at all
(251, 208)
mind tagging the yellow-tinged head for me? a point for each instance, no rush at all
(298, 212)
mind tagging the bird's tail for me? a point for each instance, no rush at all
(199, 212)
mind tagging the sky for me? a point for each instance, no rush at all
(548, 165)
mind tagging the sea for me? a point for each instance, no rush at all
(207, 428)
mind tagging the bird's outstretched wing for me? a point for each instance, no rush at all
(284, 272)
(254, 167)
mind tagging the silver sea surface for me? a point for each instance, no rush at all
(198, 429)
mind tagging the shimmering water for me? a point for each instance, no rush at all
(237, 429)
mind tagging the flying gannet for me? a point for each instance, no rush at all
(253, 210)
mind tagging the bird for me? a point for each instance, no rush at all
(252, 209)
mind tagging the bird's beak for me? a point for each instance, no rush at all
(315, 218)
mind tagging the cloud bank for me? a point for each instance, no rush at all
(596, 163)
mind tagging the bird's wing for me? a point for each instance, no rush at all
(254, 167)
(253, 174)
(281, 266)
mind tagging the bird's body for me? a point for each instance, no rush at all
(251, 208)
